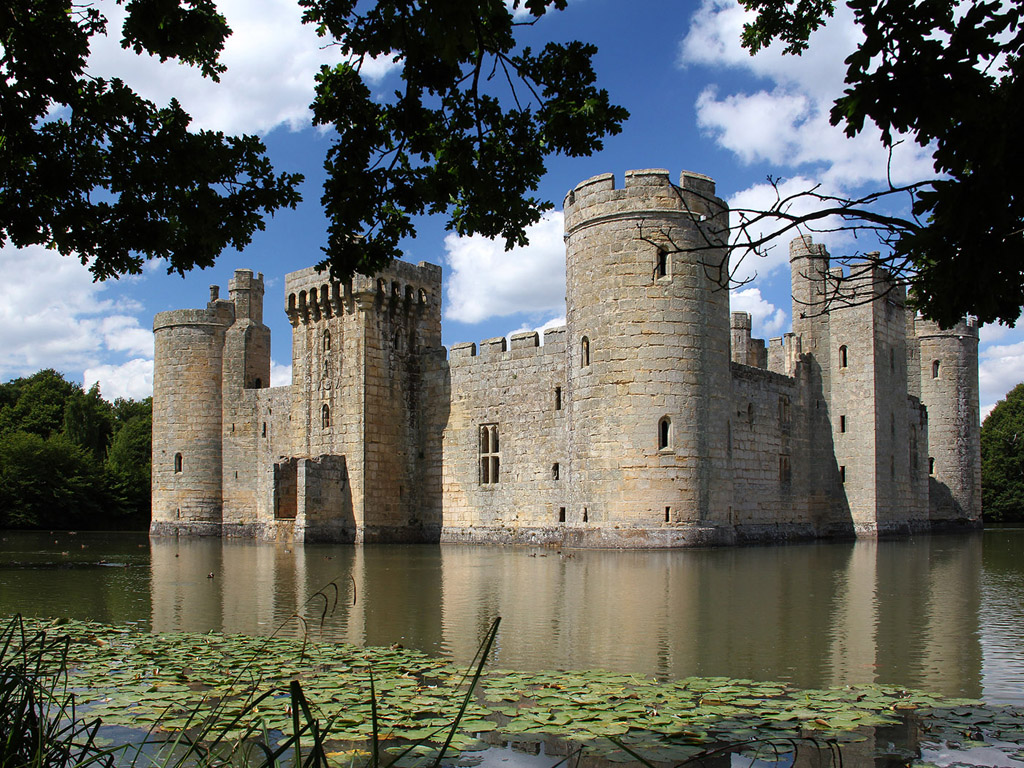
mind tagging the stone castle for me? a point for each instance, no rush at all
(651, 419)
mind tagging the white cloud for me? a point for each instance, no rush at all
(487, 281)
(271, 60)
(787, 124)
(555, 322)
(767, 319)
(280, 375)
(774, 254)
(1001, 368)
(990, 332)
(52, 315)
(133, 379)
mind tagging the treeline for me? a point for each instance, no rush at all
(70, 459)
(1002, 459)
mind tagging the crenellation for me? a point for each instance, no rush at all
(652, 418)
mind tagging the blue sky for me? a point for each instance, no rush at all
(697, 102)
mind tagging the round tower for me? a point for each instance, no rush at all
(187, 403)
(949, 388)
(648, 364)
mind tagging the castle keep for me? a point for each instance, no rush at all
(651, 419)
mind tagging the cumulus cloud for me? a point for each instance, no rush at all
(133, 379)
(271, 60)
(787, 124)
(52, 315)
(1001, 368)
(767, 319)
(487, 281)
(280, 375)
(774, 254)
(555, 322)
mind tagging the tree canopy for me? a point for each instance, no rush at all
(69, 458)
(90, 168)
(1002, 459)
(946, 75)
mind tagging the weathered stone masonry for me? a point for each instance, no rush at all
(652, 419)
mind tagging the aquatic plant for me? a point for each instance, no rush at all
(41, 726)
(321, 704)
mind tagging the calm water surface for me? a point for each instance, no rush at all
(943, 613)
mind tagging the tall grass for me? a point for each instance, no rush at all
(41, 727)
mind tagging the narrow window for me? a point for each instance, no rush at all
(784, 410)
(561, 514)
(842, 423)
(554, 471)
(750, 414)
(931, 465)
(586, 517)
(664, 433)
(327, 340)
(842, 356)
(264, 429)
(661, 264)
(177, 463)
(785, 474)
(585, 352)
(558, 398)
(325, 416)
(490, 458)
(842, 474)
(327, 367)
(668, 514)
(259, 383)
(935, 369)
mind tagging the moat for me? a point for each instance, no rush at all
(940, 613)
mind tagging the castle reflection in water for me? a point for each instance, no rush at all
(816, 615)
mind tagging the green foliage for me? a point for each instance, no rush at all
(48, 482)
(1002, 459)
(92, 169)
(468, 132)
(948, 75)
(397, 704)
(35, 404)
(88, 421)
(70, 459)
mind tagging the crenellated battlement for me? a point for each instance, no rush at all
(968, 327)
(219, 312)
(519, 346)
(644, 192)
(310, 294)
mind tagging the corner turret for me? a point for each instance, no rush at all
(949, 389)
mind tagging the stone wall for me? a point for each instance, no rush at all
(652, 419)
(513, 395)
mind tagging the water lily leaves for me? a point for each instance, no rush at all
(173, 681)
